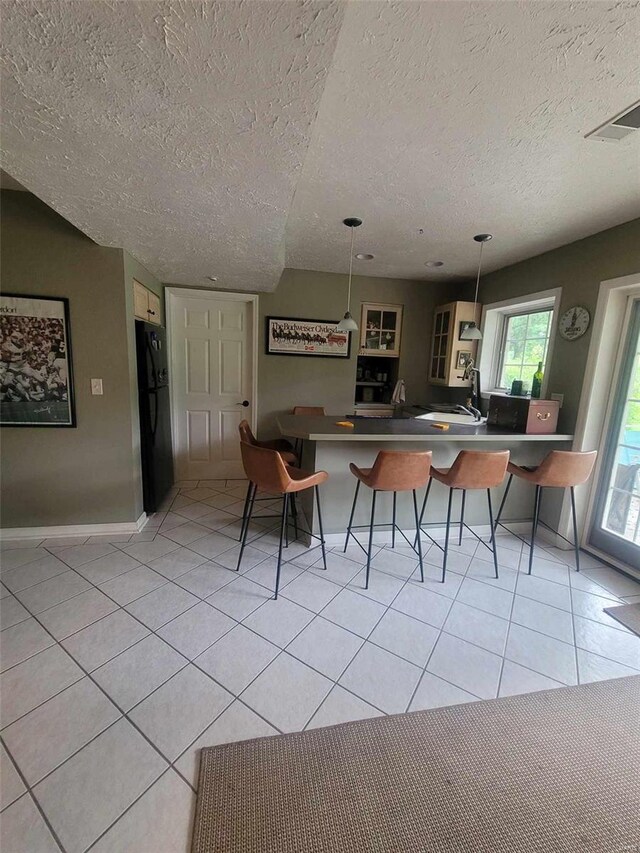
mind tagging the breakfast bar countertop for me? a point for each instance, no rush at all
(316, 428)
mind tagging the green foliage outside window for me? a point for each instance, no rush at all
(526, 341)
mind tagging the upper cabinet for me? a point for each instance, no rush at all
(449, 354)
(146, 304)
(380, 329)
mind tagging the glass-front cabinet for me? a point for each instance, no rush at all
(449, 353)
(380, 330)
(440, 346)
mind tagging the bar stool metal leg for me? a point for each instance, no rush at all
(246, 525)
(534, 525)
(493, 533)
(393, 528)
(503, 501)
(446, 538)
(324, 553)
(415, 513)
(283, 525)
(353, 509)
(464, 495)
(576, 544)
(373, 514)
(244, 510)
(424, 506)
(294, 513)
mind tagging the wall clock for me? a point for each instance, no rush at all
(574, 323)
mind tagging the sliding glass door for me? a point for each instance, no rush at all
(616, 520)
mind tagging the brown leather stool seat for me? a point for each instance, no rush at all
(267, 472)
(560, 469)
(393, 471)
(471, 470)
(284, 447)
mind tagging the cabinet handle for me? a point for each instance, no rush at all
(151, 312)
(542, 417)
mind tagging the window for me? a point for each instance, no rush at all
(516, 334)
(525, 343)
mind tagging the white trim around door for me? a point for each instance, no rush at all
(173, 296)
(596, 399)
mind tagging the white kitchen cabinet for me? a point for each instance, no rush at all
(146, 304)
(449, 354)
(380, 330)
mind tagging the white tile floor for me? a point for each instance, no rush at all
(122, 658)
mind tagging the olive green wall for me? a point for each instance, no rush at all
(578, 269)
(286, 381)
(86, 475)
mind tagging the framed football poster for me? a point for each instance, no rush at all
(36, 377)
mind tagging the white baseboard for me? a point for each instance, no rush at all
(117, 528)
(383, 537)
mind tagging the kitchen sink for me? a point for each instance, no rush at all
(451, 418)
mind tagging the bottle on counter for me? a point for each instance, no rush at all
(536, 385)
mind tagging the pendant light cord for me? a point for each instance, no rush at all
(475, 299)
(350, 269)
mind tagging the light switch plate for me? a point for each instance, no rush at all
(559, 398)
(96, 386)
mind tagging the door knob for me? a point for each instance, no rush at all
(244, 403)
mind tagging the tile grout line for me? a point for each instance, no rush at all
(29, 793)
(312, 620)
(136, 801)
(506, 639)
(441, 632)
(304, 662)
(315, 616)
(125, 714)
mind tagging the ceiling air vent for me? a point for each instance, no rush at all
(618, 127)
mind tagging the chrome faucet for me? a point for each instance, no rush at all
(469, 410)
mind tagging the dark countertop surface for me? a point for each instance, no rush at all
(397, 429)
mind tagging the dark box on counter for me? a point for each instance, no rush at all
(523, 414)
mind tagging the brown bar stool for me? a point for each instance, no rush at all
(285, 449)
(560, 469)
(471, 469)
(314, 411)
(309, 410)
(267, 471)
(393, 471)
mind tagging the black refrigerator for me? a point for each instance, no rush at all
(155, 414)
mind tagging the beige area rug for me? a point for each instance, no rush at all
(627, 614)
(552, 771)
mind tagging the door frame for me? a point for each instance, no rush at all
(601, 371)
(174, 292)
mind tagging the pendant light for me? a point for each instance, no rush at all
(348, 324)
(472, 332)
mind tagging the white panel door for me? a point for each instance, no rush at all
(211, 354)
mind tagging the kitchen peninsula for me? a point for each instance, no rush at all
(329, 447)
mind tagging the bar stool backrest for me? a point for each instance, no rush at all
(265, 468)
(245, 433)
(565, 468)
(478, 469)
(400, 470)
(309, 410)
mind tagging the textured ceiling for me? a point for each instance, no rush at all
(468, 117)
(230, 138)
(175, 129)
